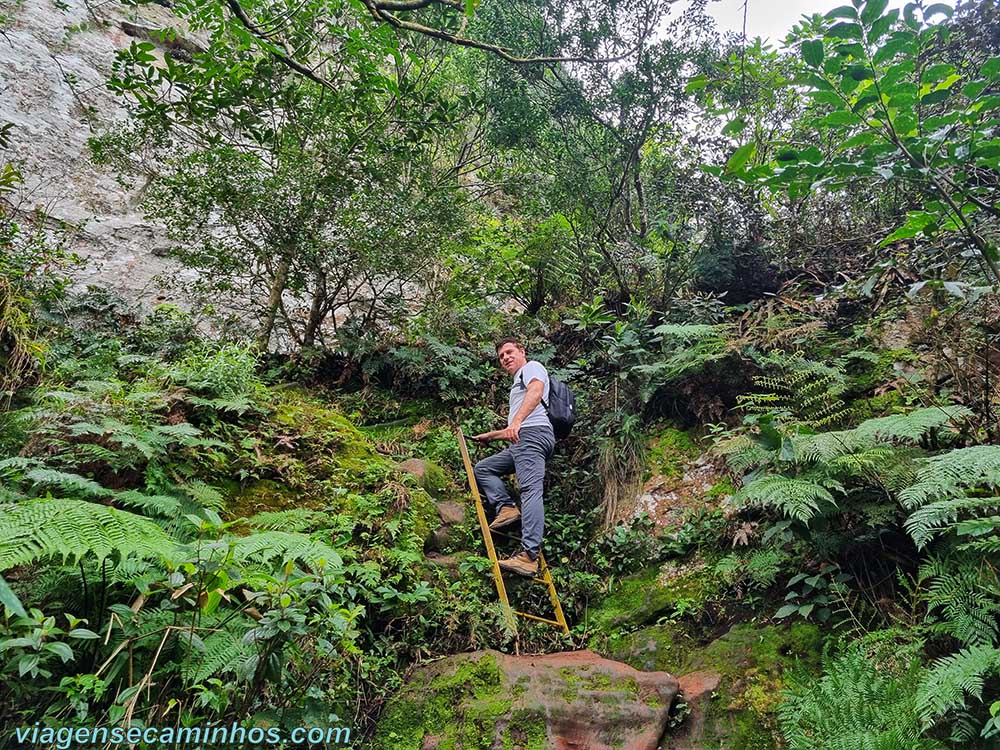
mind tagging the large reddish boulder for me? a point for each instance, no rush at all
(569, 701)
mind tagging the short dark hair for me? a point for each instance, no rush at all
(509, 340)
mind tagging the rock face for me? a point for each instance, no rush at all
(731, 685)
(568, 701)
(54, 62)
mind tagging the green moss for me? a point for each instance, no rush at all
(464, 708)
(435, 481)
(265, 495)
(423, 513)
(722, 488)
(669, 451)
(642, 598)
(526, 731)
(751, 660)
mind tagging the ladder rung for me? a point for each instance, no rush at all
(536, 617)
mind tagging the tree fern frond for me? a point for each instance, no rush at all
(910, 427)
(824, 446)
(688, 331)
(298, 519)
(163, 505)
(854, 705)
(953, 679)
(204, 494)
(181, 430)
(238, 405)
(219, 653)
(962, 593)
(58, 527)
(285, 545)
(796, 498)
(19, 463)
(67, 481)
(950, 474)
(932, 519)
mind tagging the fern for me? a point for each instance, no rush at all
(15, 464)
(287, 546)
(67, 481)
(962, 592)
(809, 392)
(854, 705)
(911, 427)
(951, 474)
(219, 653)
(796, 498)
(930, 520)
(71, 529)
(299, 519)
(953, 680)
(162, 505)
(977, 527)
(204, 494)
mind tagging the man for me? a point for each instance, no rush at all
(532, 441)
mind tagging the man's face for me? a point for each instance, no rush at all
(511, 357)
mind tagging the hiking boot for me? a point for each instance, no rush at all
(521, 563)
(508, 514)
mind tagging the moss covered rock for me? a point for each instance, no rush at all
(643, 598)
(749, 663)
(428, 474)
(491, 701)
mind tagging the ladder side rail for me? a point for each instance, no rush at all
(487, 538)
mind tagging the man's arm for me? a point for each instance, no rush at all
(532, 399)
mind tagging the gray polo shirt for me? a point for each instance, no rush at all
(532, 370)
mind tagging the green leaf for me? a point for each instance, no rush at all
(696, 84)
(883, 25)
(938, 95)
(990, 68)
(812, 52)
(10, 601)
(827, 97)
(83, 634)
(898, 42)
(63, 651)
(933, 10)
(937, 72)
(27, 663)
(860, 72)
(916, 223)
(741, 156)
(837, 119)
(736, 126)
(788, 609)
(873, 9)
(844, 30)
(974, 88)
(844, 11)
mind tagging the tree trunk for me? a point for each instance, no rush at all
(317, 311)
(273, 301)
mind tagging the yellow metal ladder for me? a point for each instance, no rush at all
(545, 575)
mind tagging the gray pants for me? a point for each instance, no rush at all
(526, 458)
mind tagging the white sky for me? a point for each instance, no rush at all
(772, 19)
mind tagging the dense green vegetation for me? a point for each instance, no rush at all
(776, 265)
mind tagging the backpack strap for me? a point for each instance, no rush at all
(524, 388)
